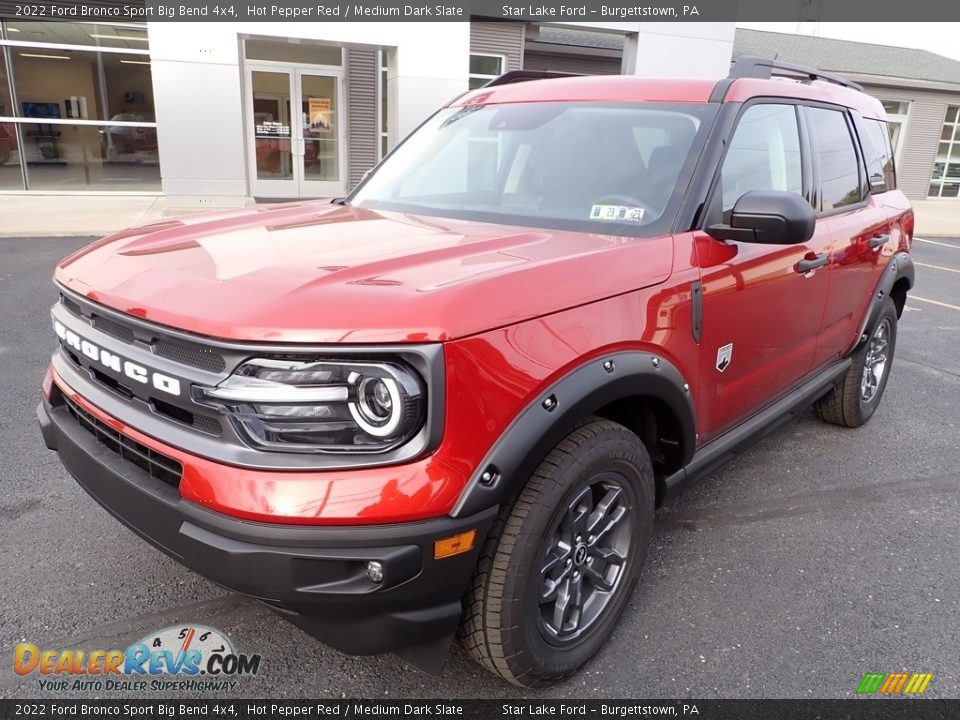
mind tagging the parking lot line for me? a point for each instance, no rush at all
(937, 267)
(935, 242)
(935, 302)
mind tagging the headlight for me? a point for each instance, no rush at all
(322, 406)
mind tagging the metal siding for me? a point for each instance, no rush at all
(922, 133)
(572, 64)
(361, 82)
(499, 38)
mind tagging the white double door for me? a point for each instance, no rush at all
(295, 130)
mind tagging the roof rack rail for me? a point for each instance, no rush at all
(516, 76)
(751, 66)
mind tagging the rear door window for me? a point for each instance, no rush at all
(837, 166)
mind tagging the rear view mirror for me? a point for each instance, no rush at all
(774, 217)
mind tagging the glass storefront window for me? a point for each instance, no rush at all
(291, 52)
(94, 73)
(483, 69)
(56, 83)
(67, 33)
(896, 107)
(88, 157)
(271, 118)
(6, 104)
(897, 112)
(10, 176)
(321, 159)
(945, 178)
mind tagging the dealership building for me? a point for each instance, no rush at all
(212, 114)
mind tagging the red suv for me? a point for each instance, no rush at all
(452, 401)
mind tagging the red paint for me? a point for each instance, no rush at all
(262, 274)
(516, 308)
(607, 88)
(47, 386)
(420, 490)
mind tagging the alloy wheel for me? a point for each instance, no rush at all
(876, 361)
(585, 558)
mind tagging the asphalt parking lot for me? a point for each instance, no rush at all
(816, 556)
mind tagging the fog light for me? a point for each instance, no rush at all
(374, 571)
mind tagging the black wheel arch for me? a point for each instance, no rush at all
(631, 387)
(896, 281)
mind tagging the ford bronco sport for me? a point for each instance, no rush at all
(450, 402)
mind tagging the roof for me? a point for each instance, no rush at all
(842, 56)
(635, 88)
(847, 56)
(593, 88)
(579, 38)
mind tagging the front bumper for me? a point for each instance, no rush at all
(313, 576)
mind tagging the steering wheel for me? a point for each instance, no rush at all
(629, 201)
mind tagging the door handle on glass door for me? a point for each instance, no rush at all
(811, 262)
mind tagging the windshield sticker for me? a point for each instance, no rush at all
(616, 213)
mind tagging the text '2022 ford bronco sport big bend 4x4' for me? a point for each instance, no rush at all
(454, 399)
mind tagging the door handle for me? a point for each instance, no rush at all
(812, 262)
(878, 241)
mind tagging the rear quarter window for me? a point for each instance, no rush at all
(878, 154)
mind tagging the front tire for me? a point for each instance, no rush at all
(561, 563)
(856, 397)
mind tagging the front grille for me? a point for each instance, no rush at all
(71, 305)
(200, 422)
(181, 351)
(157, 465)
(189, 354)
(114, 329)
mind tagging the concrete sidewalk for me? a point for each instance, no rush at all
(937, 218)
(51, 215)
(38, 215)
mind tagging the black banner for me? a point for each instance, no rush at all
(594, 11)
(854, 709)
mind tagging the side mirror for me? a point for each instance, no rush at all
(774, 217)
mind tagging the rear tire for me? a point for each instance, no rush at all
(856, 397)
(561, 563)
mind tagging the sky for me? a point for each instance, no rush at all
(941, 38)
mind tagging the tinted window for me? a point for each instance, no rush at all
(764, 154)
(597, 167)
(878, 155)
(839, 171)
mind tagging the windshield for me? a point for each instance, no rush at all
(611, 168)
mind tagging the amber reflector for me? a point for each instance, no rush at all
(448, 547)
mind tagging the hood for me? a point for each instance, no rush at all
(322, 273)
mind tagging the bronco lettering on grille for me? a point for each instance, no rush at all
(120, 365)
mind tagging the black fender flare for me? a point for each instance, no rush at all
(545, 421)
(899, 267)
